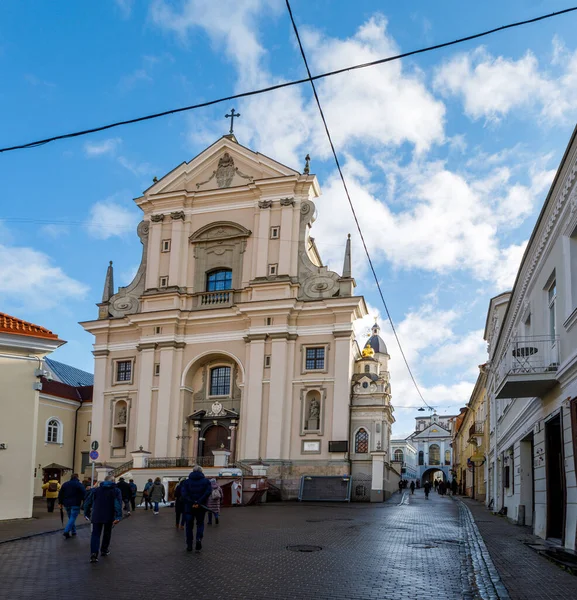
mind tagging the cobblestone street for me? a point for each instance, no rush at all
(423, 549)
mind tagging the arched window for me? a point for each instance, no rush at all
(220, 381)
(447, 457)
(361, 441)
(398, 456)
(219, 280)
(434, 455)
(53, 431)
(421, 457)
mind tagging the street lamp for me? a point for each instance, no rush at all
(475, 462)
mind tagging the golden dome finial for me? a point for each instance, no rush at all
(368, 352)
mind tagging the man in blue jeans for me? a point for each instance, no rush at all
(195, 492)
(103, 506)
(70, 497)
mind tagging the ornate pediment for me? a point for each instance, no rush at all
(219, 231)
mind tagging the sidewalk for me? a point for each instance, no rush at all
(526, 574)
(41, 522)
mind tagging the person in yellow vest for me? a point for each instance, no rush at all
(52, 488)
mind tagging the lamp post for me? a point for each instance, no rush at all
(475, 462)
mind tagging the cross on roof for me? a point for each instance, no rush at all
(231, 117)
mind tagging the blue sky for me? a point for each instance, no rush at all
(449, 154)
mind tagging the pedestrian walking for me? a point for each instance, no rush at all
(156, 494)
(146, 494)
(52, 488)
(213, 502)
(400, 486)
(103, 506)
(133, 490)
(442, 488)
(71, 497)
(179, 504)
(454, 486)
(195, 492)
(126, 494)
(436, 484)
(412, 486)
(427, 488)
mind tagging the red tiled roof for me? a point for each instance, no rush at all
(16, 326)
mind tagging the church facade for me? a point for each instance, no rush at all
(233, 336)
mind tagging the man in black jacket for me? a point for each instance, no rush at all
(70, 497)
(126, 492)
(195, 492)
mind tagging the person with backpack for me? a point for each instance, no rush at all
(52, 488)
(213, 502)
(103, 507)
(126, 493)
(156, 494)
(195, 492)
(133, 490)
(179, 505)
(71, 497)
(146, 494)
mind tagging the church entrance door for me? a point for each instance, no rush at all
(215, 438)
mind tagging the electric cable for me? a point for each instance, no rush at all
(279, 86)
(358, 225)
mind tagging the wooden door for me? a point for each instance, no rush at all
(215, 438)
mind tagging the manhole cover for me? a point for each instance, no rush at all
(304, 548)
(423, 546)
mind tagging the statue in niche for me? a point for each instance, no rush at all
(314, 414)
(122, 416)
(225, 171)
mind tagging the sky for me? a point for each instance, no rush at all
(448, 155)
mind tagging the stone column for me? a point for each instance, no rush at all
(144, 399)
(342, 387)
(233, 443)
(286, 235)
(98, 421)
(277, 398)
(195, 434)
(263, 239)
(153, 267)
(176, 253)
(252, 401)
(378, 477)
(287, 420)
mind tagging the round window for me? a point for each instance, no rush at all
(365, 384)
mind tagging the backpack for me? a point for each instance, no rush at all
(52, 486)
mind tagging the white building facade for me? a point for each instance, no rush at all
(404, 459)
(532, 381)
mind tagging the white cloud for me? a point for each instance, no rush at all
(55, 230)
(139, 169)
(102, 148)
(28, 279)
(110, 218)
(492, 87)
(440, 221)
(125, 7)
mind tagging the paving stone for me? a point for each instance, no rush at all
(424, 549)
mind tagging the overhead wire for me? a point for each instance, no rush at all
(285, 84)
(357, 223)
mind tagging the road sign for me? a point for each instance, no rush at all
(94, 445)
(93, 455)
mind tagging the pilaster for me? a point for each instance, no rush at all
(176, 254)
(143, 415)
(98, 422)
(262, 242)
(277, 396)
(155, 236)
(251, 424)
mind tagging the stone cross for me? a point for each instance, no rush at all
(231, 117)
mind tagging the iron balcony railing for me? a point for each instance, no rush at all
(476, 428)
(173, 462)
(531, 355)
(123, 468)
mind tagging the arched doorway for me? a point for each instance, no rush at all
(431, 474)
(216, 437)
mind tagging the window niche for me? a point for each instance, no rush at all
(312, 410)
(219, 246)
(119, 425)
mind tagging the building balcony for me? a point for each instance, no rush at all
(476, 433)
(218, 299)
(528, 368)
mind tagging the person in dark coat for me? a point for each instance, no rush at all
(195, 492)
(71, 497)
(103, 506)
(427, 488)
(146, 494)
(454, 486)
(179, 505)
(126, 493)
(412, 486)
(133, 490)
(156, 494)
